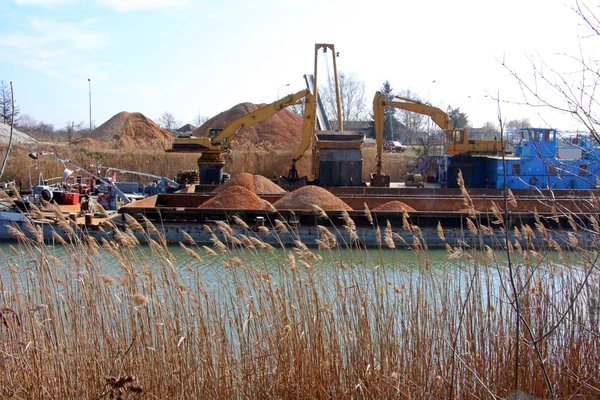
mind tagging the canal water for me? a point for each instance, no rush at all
(400, 266)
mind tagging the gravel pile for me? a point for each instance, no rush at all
(235, 198)
(281, 131)
(18, 136)
(394, 205)
(127, 131)
(307, 196)
(255, 183)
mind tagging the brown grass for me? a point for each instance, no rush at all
(253, 159)
(307, 324)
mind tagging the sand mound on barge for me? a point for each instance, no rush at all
(307, 196)
(235, 198)
(255, 183)
(395, 205)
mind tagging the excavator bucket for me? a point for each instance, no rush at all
(380, 180)
(291, 184)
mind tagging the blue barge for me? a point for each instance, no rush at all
(542, 159)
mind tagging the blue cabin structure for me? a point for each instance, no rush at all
(541, 159)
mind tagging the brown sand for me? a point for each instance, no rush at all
(282, 130)
(128, 131)
(307, 196)
(256, 183)
(394, 205)
(235, 198)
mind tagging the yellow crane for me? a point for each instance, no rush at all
(456, 140)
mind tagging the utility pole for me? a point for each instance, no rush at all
(90, 86)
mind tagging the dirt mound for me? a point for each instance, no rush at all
(236, 198)
(282, 130)
(255, 183)
(131, 131)
(394, 205)
(307, 196)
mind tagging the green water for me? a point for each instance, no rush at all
(396, 262)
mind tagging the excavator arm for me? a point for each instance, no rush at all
(219, 143)
(212, 148)
(227, 135)
(439, 117)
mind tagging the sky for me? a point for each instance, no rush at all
(192, 57)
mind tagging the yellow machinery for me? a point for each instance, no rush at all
(456, 139)
(212, 147)
(215, 143)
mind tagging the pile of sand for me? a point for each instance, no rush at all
(307, 196)
(17, 138)
(128, 131)
(235, 198)
(394, 205)
(255, 183)
(282, 130)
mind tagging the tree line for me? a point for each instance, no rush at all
(400, 125)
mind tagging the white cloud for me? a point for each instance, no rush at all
(74, 35)
(130, 5)
(46, 3)
(55, 48)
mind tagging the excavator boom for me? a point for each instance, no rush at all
(228, 134)
(219, 143)
(439, 117)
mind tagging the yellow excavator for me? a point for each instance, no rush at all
(215, 144)
(456, 139)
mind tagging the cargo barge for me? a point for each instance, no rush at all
(176, 213)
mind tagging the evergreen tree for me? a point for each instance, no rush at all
(458, 118)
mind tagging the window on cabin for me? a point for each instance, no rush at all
(552, 170)
(516, 169)
(583, 170)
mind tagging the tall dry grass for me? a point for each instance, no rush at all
(251, 159)
(332, 322)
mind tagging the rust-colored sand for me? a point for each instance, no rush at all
(307, 196)
(128, 131)
(394, 205)
(235, 198)
(281, 131)
(255, 183)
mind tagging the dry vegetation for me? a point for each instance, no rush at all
(253, 160)
(306, 324)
